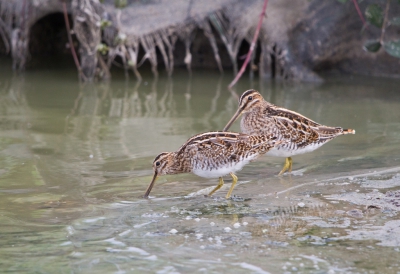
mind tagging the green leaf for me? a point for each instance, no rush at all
(395, 21)
(342, 1)
(102, 48)
(393, 48)
(372, 46)
(120, 3)
(374, 14)
(105, 23)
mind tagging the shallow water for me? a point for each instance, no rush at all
(74, 160)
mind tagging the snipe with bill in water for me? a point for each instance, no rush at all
(213, 155)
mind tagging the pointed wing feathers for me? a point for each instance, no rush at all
(225, 144)
(299, 128)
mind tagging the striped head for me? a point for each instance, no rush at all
(249, 100)
(163, 162)
(162, 165)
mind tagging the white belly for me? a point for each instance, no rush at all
(223, 170)
(282, 151)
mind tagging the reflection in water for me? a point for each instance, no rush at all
(74, 159)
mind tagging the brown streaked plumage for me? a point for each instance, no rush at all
(300, 133)
(212, 155)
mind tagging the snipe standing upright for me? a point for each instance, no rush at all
(301, 133)
(212, 155)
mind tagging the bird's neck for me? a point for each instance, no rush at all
(254, 112)
(249, 123)
(180, 164)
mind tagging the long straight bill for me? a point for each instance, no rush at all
(146, 194)
(233, 119)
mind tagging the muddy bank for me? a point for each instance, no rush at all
(299, 43)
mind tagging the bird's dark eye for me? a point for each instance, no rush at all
(250, 98)
(158, 163)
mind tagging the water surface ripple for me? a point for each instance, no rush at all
(74, 160)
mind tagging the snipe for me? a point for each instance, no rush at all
(300, 133)
(212, 155)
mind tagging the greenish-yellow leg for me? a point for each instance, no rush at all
(235, 179)
(287, 166)
(220, 184)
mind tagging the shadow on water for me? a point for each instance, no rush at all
(74, 160)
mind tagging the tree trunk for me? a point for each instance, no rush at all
(87, 30)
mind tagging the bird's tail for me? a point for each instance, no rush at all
(349, 131)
